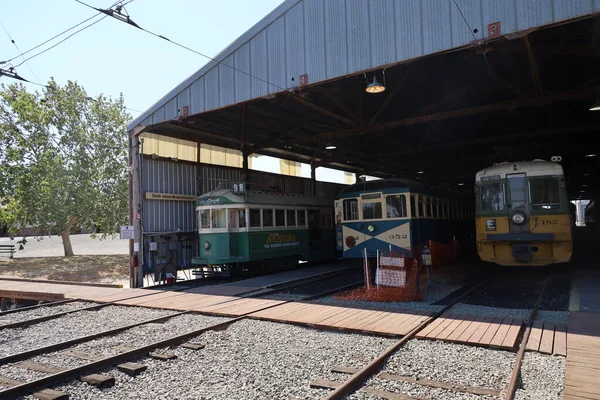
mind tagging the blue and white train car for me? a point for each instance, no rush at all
(399, 215)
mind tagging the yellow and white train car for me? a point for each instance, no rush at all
(522, 214)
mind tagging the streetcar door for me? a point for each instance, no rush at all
(314, 231)
(338, 226)
(517, 202)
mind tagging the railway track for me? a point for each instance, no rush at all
(359, 376)
(55, 375)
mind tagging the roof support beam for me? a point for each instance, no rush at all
(501, 80)
(290, 131)
(322, 110)
(462, 112)
(343, 107)
(388, 99)
(535, 72)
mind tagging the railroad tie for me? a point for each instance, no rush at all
(193, 346)
(49, 394)
(163, 356)
(132, 369)
(99, 380)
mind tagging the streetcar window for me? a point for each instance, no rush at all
(279, 217)
(492, 197)
(421, 202)
(350, 209)
(241, 214)
(545, 193)
(254, 218)
(267, 218)
(219, 218)
(371, 210)
(395, 206)
(301, 217)
(429, 208)
(413, 207)
(205, 219)
(291, 217)
(434, 206)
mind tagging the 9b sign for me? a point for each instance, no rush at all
(239, 187)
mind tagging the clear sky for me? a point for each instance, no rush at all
(112, 57)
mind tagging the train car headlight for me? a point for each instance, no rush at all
(490, 224)
(207, 245)
(518, 218)
(371, 228)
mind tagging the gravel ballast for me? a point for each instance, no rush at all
(43, 312)
(542, 377)
(249, 360)
(72, 326)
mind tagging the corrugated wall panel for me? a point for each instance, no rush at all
(532, 13)
(197, 96)
(258, 51)
(495, 11)
(226, 81)
(358, 33)
(383, 33)
(314, 33)
(183, 99)
(276, 56)
(572, 8)
(437, 31)
(161, 176)
(596, 5)
(211, 89)
(462, 32)
(336, 44)
(158, 116)
(294, 42)
(409, 36)
(242, 74)
(171, 109)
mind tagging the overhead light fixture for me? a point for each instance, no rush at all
(583, 185)
(330, 147)
(376, 86)
(596, 106)
(461, 184)
(586, 174)
(590, 155)
(420, 172)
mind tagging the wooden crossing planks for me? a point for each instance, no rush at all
(548, 338)
(238, 307)
(583, 356)
(496, 332)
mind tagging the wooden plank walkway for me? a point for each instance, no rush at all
(548, 338)
(583, 357)
(480, 331)
(354, 319)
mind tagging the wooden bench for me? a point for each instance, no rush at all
(7, 249)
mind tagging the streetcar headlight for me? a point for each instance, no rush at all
(490, 224)
(207, 245)
(518, 218)
(371, 228)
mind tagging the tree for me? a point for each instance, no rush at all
(63, 160)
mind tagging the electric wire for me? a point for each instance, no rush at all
(466, 23)
(130, 22)
(19, 50)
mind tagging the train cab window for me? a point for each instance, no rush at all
(371, 210)
(545, 193)
(204, 219)
(267, 218)
(291, 218)
(395, 206)
(219, 218)
(492, 196)
(255, 218)
(413, 206)
(301, 218)
(279, 217)
(350, 209)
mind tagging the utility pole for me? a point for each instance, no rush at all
(137, 272)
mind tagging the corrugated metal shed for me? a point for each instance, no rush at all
(328, 39)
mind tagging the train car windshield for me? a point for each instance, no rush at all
(492, 196)
(204, 219)
(395, 206)
(350, 209)
(545, 193)
(371, 210)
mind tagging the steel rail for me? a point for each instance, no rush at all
(59, 346)
(514, 379)
(54, 379)
(359, 378)
(54, 303)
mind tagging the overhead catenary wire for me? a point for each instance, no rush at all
(19, 50)
(466, 22)
(126, 19)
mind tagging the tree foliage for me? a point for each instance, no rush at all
(63, 160)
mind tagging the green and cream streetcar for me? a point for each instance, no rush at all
(252, 230)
